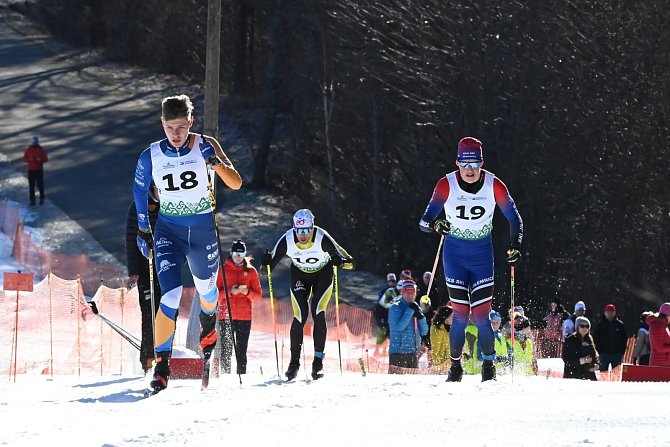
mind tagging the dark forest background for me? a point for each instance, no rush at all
(355, 109)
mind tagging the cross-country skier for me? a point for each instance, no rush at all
(469, 197)
(313, 252)
(185, 230)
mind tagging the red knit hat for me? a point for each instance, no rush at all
(469, 148)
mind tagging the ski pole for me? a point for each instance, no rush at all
(437, 259)
(130, 338)
(512, 312)
(274, 318)
(153, 304)
(337, 316)
(212, 192)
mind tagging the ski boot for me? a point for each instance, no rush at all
(317, 367)
(488, 370)
(292, 370)
(455, 373)
(207, 344)
(161, 372)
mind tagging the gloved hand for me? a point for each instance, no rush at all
(513, 256)
(441, 226)
(418, 313)
(207, 150)
(266, 259)
(337, 261)
(425, 340)
(145, 241)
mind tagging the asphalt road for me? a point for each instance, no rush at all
(92, 130)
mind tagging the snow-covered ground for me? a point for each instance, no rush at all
(348, 408)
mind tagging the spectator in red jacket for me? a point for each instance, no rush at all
(659, 336)
(243, 288)
(35, 156)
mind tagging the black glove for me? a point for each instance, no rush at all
(441, 226)
(513, 256)
(266, 259)
(337, 261)
(145, 241)
(418, 313)
(94, 306)
(426, 341)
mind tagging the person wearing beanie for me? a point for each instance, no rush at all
(243, 288)
(439, 335)
(552, 335)
(138, 274)
(659, 336)
(611, 338)
(580, 357)
(381, 310)
(35, 156)
(469, 197)
(403, 348)
(315, 256)
(569, 323)
(642, 347)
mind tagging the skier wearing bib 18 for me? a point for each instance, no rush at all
(180, 166)
(313, 252)
(469, 197)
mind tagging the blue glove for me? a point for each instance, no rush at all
(145, 241)
(207, 150)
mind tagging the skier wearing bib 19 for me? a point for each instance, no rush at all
(185, 229)
(313, 252)
(469, 197)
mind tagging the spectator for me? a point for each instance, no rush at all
(580, 357)
(406, 274)
(138, 274)
(427, 309)
(553, 324)
(244, 287)
(437, 297)
(642, 349)
(439, 334)
(521, 324)
(381, 309)
(502, 347)
(472, 353)
(523, 349)
(569, 323)
(403, 349)
(35, 156)
(611, 339)
(659, 336)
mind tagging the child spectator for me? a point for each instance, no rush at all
(439, 334)
(553, 324)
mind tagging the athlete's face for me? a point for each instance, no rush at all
(470, 171)
(176, 130)
(409, 294)
(303, 234)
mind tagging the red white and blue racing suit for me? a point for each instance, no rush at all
(468, 249)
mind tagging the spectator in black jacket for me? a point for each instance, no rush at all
(138, 274)
(580, 357)
(611, 339)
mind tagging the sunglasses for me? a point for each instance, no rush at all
(303, 230)
(470, 164)
(239, 253)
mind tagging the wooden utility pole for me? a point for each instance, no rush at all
(211, 122)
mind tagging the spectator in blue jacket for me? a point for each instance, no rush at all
(405, 342)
